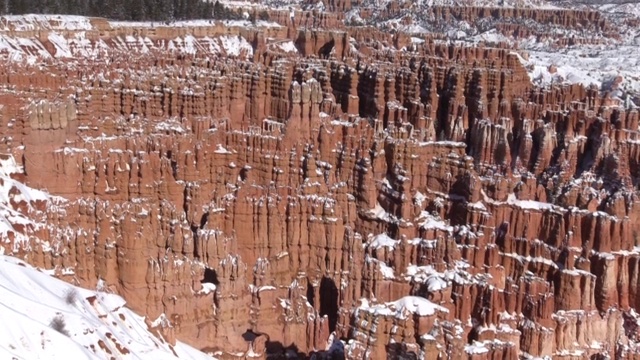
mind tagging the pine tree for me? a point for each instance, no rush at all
(219, 11)
(142, 10)
(136, 10)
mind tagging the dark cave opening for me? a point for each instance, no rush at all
(210, 276)
(311, 296)
(329, 301)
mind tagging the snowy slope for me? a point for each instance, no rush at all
(97, 325)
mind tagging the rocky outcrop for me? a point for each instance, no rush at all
(428, 201)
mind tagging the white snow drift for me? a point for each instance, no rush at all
(91, 325)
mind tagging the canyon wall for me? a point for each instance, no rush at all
(274, 189)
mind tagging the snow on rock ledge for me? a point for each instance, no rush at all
(74, 37)
(402, 308)
(16, 202)
(44, 22)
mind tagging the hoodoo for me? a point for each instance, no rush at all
(340, 180)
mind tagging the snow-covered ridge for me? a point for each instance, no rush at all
(193, 23)
(533, 4)
(77, 37)
(33, 22)
(46, 318)
(79, 46)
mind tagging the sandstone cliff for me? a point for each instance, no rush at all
(277, 188)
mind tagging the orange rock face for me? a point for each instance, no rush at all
(277, 189)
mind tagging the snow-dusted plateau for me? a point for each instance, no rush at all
(366, 179)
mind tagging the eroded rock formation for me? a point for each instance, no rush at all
(276, 188)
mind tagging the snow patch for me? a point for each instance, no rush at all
(402, 308)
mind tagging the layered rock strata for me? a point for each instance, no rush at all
(278, 189)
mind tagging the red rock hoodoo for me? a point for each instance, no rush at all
(305, 187)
